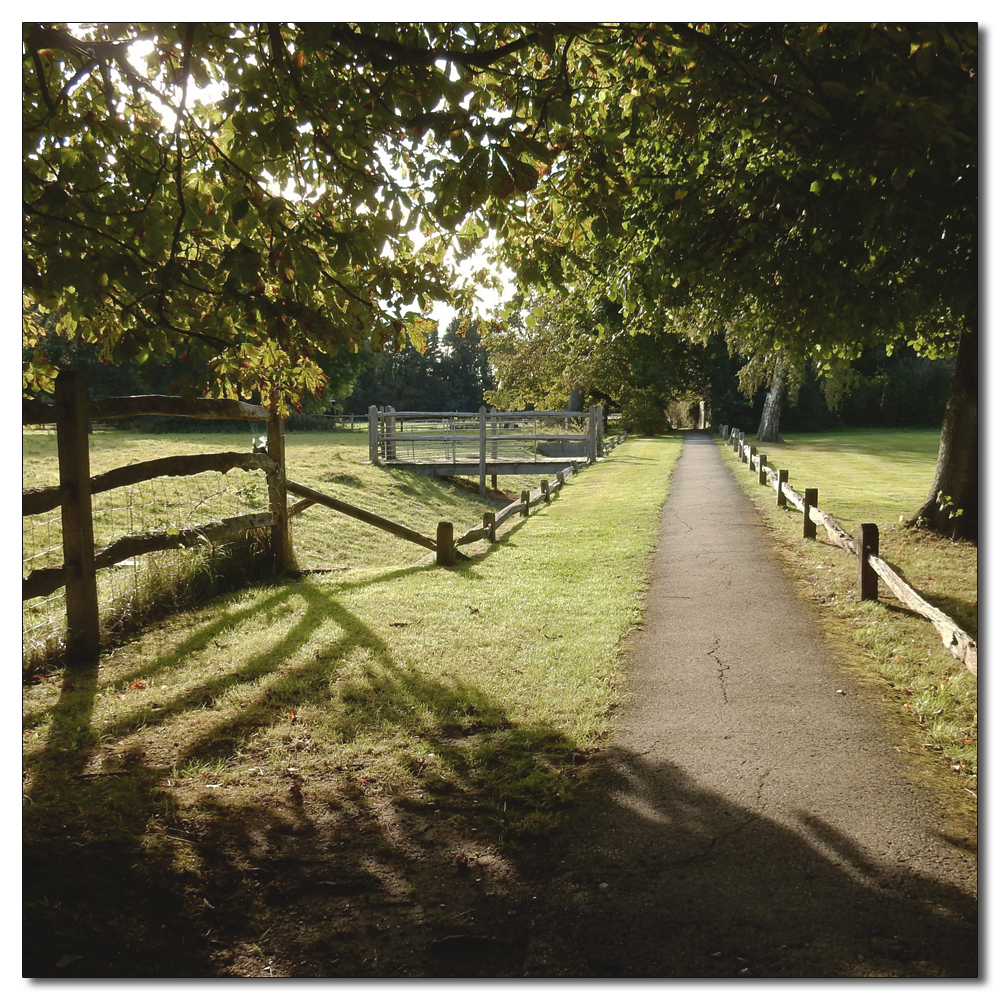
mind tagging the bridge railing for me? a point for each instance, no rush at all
(487, 439)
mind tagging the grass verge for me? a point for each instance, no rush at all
(880, 476)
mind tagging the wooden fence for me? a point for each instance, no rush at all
(871, 567)
(71, 414)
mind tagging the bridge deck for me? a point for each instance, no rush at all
(493, 466)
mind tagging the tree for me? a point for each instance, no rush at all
(811, 188)
(245, 196)
(571, 347)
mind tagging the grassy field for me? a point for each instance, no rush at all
(332, 462)
(881, 476)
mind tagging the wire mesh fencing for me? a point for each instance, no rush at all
(159, 505)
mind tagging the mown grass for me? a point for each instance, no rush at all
(882, 476)
(488, 682)
(333, 462)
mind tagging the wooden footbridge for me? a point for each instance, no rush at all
(487, 443)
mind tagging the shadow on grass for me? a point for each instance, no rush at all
(132, 871)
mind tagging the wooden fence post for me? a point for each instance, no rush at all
(445, 543)
(373, 434)
(782, 479)
(592, 436)
(526, 500)
(761, 471)
(867, 577)
(490, 525)
(390, 433)
(83, 634)
(482, 451)
(494, 429)
(277, 492)
(810, 500)
(545, 491)
(751, 455)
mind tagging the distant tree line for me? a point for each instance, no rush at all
(452, 374)
(642, 378)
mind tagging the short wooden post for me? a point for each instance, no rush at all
(490, 525)
(83, 634)
(751, 455)
(445, 543)
(526, 500)
(277, 492)
(761, 470)
(809, 501)
(782, 479)
(867, 577)
(545, 491)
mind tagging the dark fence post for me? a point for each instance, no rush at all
(490, 524)
(83, 633)
(445, 543)
(526, 500)
(761, 471)
(782, 479)
(809, 500)
(545, 491)
(867, 577)
(751, 455)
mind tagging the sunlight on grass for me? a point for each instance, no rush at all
(490, 680)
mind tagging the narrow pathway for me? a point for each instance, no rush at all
(753, 818)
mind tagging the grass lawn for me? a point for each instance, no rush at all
(340, 702)
(881, 476)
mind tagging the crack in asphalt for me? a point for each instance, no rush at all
(722, 668)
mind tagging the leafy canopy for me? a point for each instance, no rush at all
(249, 195)
(812, 187)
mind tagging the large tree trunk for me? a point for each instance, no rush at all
(768, 430)
(952, 507)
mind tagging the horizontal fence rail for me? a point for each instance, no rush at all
(871, 567)
(72, 413)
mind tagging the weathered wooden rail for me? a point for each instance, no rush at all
(871, 567)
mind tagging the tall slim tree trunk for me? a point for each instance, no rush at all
(768, 430)
(952, 506)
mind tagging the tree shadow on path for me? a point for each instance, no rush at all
(657, 877)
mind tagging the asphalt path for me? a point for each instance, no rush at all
(753, 817)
